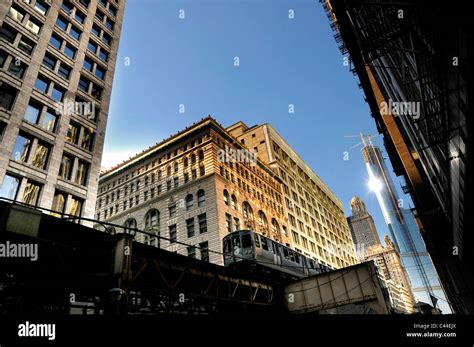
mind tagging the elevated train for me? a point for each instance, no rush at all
(246, 248)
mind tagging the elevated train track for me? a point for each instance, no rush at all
(88, 271)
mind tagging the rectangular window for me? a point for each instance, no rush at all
(75, 208)
(61, 22)
(8, 34)
(191, 251)
(64, 71)
(91, 46)
(22, 148)
(40, 157)
(31, 193)
(228, 222)
(236, 223)
(9, 188)
(55, 42)
(49, 121)
(41, 84)
(88, 64)
(202, 223)
(75, 33)
(72, 134)
(173, 233)
(7, 96)
(172, 211)
(100, 72)
(26, 46)
(57, 93)
(84, 84)
(32, 113)
(175, 182)
(204, 250)
(17, 69)
(103, 55)
(41, 7)
(69, 51)
(87, 139)
(49, 61)
(190, 227)
(81, 174)
(59, 202)
(65, 169)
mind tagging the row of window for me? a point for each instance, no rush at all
(135, 186)
(31, 194)
(152, 224)
(9, 34)
(15, 68)
(36, 152)
(156, 162)
(20, 16)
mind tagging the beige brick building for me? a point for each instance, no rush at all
(194, 187)
(315, 215)
(57, 63)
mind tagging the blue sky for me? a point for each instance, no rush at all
(283, 61)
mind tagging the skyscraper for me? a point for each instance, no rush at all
(57, 63)
(362, 227)
(404, 231)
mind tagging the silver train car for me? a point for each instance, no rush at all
(248, 247)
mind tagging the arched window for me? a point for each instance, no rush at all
(234, 202)
(168, 170)
(226, 197)
(186, 162)
(262, 221)
(248, 213)
(275, 226)
(189, 202)
(201, 155)
(201, 197)
(193, 158)
(129, 225)
(176, 167)
(152, 219)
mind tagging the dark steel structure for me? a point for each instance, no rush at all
(81, 270)
(414, 61)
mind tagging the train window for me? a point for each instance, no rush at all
(257, 240)
(292, 256)
(264, 244)
(246, 241)
(311, 264)
(227, 248)
(236, 241)
(285, 253)
(297, 258)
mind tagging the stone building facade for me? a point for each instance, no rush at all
(57, 63)
(194, 188)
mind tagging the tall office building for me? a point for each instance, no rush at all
(387, 259)
(194, 187)
(315, 215)
(404, 232)
(362, 227)
(57, 63)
